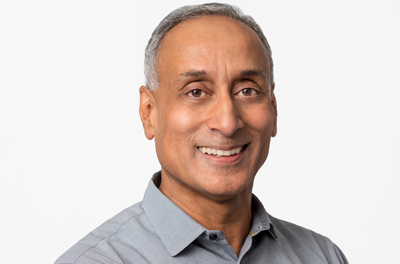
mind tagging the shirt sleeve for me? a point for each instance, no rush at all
(339, 257)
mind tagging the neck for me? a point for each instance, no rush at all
(230, 214)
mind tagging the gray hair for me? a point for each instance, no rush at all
(188, 12)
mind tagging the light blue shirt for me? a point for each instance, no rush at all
(156, 230)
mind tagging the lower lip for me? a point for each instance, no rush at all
(224, 159)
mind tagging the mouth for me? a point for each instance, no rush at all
(222, 153)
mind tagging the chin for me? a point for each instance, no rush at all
(226, 186)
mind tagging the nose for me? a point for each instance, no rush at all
(225, 116)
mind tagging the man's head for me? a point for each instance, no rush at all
(189, 12)
(215, 111)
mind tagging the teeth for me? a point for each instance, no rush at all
(219, 153)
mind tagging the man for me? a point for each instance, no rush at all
(209, 104)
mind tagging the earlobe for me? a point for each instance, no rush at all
(146, 111)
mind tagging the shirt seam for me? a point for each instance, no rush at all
(108, 237)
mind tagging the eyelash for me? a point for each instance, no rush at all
(190, 93)
(252, 90)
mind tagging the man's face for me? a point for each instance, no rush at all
(214, 96)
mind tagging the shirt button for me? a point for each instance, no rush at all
(213, 237)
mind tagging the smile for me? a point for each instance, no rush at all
(219, 152)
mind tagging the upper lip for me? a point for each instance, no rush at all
(224, 147)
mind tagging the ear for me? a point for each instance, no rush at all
(147, 111)
(275, 108)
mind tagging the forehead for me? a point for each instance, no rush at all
(211, 43)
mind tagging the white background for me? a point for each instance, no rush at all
(73, 152)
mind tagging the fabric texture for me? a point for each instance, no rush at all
(156, 230)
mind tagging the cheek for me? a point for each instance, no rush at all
(172, 139)
(262, 125)
(177, 127)
(261, 122)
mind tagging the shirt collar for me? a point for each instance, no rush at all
(261, 220)
(176, 229)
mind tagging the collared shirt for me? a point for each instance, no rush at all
(156, 230)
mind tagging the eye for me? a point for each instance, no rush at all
(248, 92)
(197, 93)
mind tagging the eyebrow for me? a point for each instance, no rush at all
(244, 73)
(248, 73)
(193, 73)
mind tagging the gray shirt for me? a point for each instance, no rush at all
(156, 230)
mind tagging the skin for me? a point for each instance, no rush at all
(214, 92)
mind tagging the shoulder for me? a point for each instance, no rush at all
(305, 240)
(92, 244)
(290, 230)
